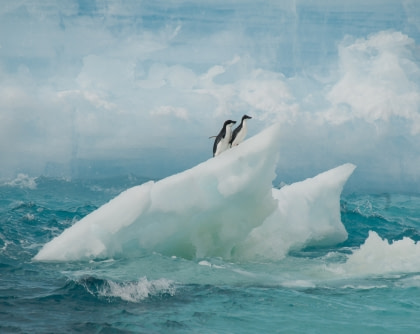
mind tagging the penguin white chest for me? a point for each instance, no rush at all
(223, 144)
(241, 135)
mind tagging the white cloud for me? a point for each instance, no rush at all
(101, 82)
(181, 113)
(269, 94)
(379, 80)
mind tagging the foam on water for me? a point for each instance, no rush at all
(137, 291)
(23, 181)
(224, 207)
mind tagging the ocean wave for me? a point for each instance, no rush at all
(23, 181)
(138, 291)
(133, 291)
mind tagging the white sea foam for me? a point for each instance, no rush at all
(23, 181)
(299, 284)
(209, 264)
(225, 207)
(137, 291)
(409, 282)
(5, 242)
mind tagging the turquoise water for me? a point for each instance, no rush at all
(314, 289)
(93, 89)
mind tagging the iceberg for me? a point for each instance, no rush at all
(307, 214)
(378, 256)
(224, 207)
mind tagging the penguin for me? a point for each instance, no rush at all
(239, 133)
(222, 140)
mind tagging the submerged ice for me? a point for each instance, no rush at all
(224, 207)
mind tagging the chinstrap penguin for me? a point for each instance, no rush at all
(222, 140)
(239, 133)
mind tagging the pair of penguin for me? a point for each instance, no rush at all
(226, 138)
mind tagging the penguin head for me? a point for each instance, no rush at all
(229, 123)
(246, 117)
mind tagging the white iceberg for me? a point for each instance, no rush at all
(224, 207)
(377, 256)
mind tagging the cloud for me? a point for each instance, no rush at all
(379, 80)
(115, 79)
(170, 110)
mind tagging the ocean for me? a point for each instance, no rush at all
(369, 283)
(115, 218)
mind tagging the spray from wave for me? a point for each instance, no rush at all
(137, 291)
(131, 291)
(23, 181)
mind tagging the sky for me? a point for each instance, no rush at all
(100, 88)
